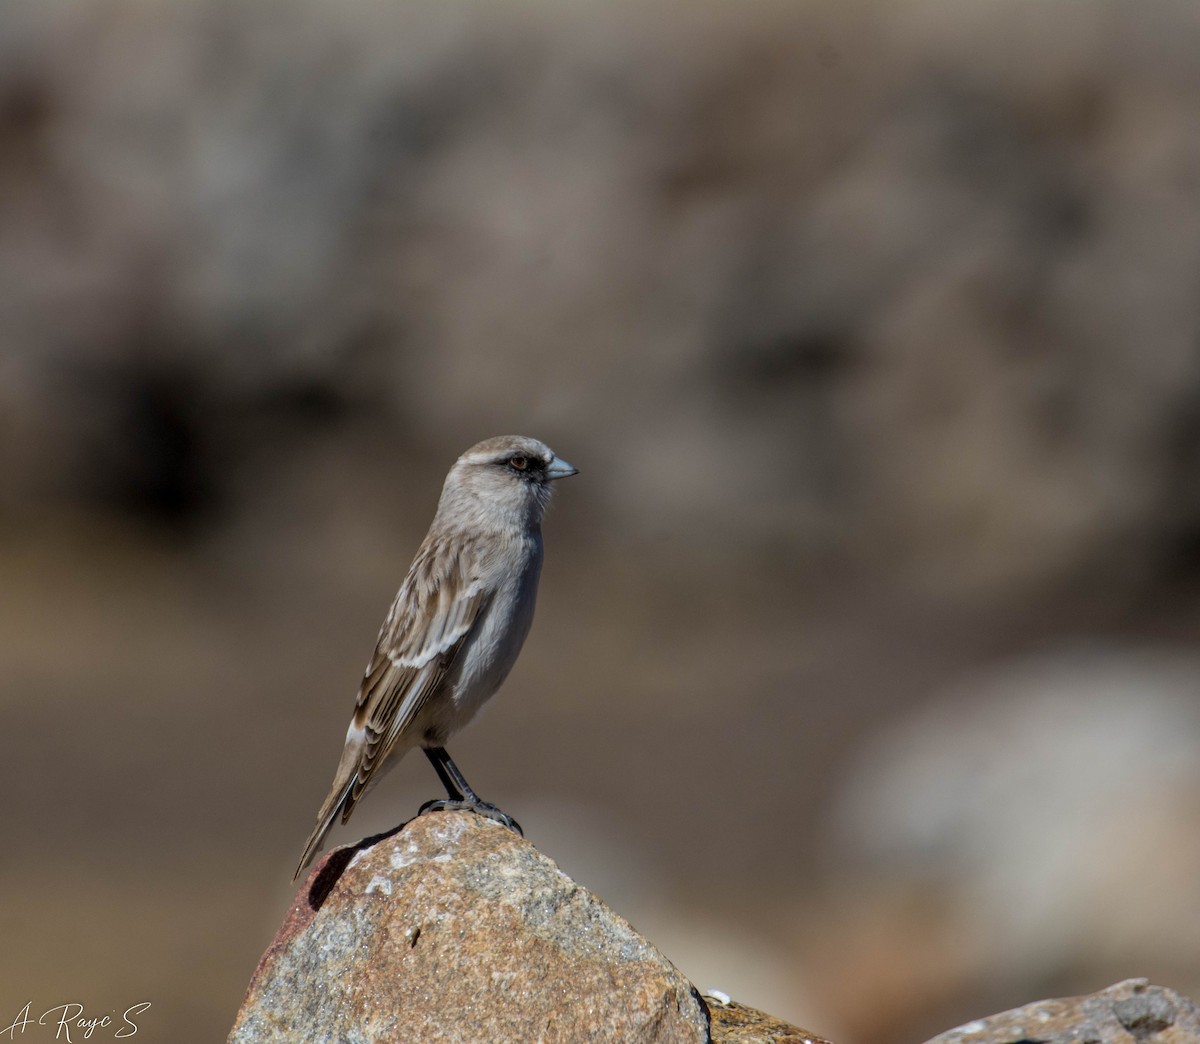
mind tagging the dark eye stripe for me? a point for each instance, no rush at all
(531, 463)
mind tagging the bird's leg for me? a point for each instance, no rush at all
(460, 796)
(457, 787)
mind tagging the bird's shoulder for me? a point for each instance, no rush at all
(445, 580)
(453, 579)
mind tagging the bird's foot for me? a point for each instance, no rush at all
(480, 808)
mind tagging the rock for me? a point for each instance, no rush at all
(454, 928)
(1013, 820)
(1131, 1012)
(733, 1023)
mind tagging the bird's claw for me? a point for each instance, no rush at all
(480, 808)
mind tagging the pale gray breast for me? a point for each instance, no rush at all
(490, 652)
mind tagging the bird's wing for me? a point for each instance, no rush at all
(439, 603)
(437, 606)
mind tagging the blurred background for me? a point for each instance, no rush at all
(864, 680)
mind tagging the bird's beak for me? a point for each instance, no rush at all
(559, 468)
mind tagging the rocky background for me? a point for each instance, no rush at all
(864, 680)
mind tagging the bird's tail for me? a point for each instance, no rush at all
(338, 803)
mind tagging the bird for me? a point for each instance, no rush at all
(454, 629)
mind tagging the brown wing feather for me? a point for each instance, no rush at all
(434, 611)
(431, 617)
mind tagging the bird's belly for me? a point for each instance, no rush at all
(486, 657)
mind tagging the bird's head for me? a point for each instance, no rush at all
(508, 477)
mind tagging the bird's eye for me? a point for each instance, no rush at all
(519, 462)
